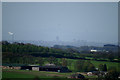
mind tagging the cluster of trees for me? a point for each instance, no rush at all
(64, 62)
(26, 48)
(28, 59)
(20, 59)
(112, 74)
(103, 67)
(21, 53)
(34, 50)
(84, 66)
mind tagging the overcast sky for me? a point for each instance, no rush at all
(93, 21)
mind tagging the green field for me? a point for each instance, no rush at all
(96, 64)
(109, 64)
(25, 74)
(7, 73)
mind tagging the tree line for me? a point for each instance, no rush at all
(34, 50)
(28, 53)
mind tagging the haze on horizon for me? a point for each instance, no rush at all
(89, 21)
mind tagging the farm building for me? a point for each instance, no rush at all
(12, 66)
(99, 73)
(27, 67)
(46, 68)
(52, 68)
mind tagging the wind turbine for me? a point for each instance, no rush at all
(12, 35)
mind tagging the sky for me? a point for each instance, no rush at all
(68, 21)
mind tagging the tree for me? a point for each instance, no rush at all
(52, 59)
(103, 67)
(112, 75)
(40, 61)
(64, 62)
(79, 65)
(112, 68)
(91, 67)
(5, 43)
(70, 64)
(84, 66)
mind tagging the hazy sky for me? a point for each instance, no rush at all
(91, 21)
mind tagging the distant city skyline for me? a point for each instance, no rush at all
(92, 22)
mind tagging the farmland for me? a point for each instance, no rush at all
(43, 74)
(71, 63)
(96, 64)
(37, 74)
(28, 54)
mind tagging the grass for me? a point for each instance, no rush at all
(7, 73)
(96, 64)
(49, 75)
(16, 75)
(31, 74)
(109, 64)
(71, 63)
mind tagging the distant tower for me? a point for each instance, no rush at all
(12, 36)
(57, 38)
(74, 40)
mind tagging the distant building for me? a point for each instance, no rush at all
(111, 48)
(98, 50)
(46, 68)
(89, 73)
(110, 45)
(35, 68)
(49, 64)
(93, 50)
(12, 66)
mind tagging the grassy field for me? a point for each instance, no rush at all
(96, 64)
(7, 73)
(25, 74)
(71, 64)
(109, 64)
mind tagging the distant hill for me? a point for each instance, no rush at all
(87, 49)
(72, 43)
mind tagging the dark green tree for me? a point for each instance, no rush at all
(102, 67)
(105, 67)
(112, 75)
(51, 60)
(79, 65)
(84, 66)
(40, 61)
(64, 62)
